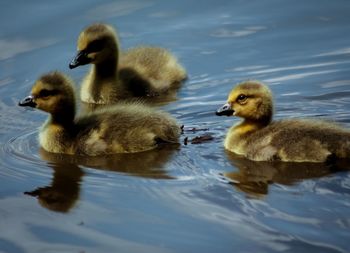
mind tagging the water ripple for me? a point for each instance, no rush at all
(329, 96)
(20, 157)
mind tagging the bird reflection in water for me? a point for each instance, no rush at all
(254, 178)
(63, 192)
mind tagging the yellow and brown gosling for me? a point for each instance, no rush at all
(123, 128)
(138, 72)
(259, 138)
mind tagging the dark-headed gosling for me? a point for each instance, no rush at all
(259, 138)
(138, 72)
(124, 128)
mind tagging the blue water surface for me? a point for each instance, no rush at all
(197, 198)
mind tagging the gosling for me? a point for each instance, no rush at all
(138, 72)
(259, 138)
(123, 128)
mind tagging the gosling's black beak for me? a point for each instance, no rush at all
(27, 101)
(225, 110)
(80, 59)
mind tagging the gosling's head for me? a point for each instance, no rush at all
(52, 93)
(250, 100)
(96, 43)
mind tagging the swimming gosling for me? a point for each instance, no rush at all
(138, 72)
(259, 138)
(127, 128)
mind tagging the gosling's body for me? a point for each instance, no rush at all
(289, 140)
(259, 138)
(119, 129)
(122, 128)
(158, 68)
(138, 72)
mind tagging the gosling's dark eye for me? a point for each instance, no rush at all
(241, 98)
(95, 46)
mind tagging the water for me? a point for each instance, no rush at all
(196, 198)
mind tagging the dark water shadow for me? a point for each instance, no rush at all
(64, 189)
(8, 246)
(254, 178)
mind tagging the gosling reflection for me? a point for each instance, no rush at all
(149, 164)
(62, 194)
(254, 177)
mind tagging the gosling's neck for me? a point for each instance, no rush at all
(56, 134)
(238, 135)
(106, 70)
(62, 118)
(103, 83)
(248, 126)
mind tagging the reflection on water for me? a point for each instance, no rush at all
(119, 8)
(330, 96)
(148, 164)
(254, 178)
(226, 33)
(62, 194)
(11, 48)
(63, 191)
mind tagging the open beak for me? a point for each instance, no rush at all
(27, 101)
(225, 110)
(80, 59)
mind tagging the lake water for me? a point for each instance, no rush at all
(196, 198)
